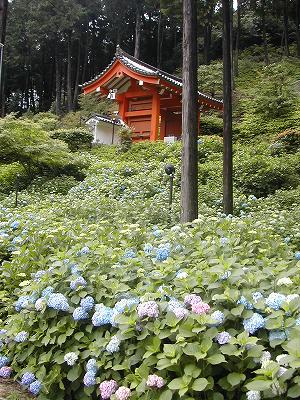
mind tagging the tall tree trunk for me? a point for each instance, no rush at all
(263, 22)
(57, 82)
(227, 95)
(189, 170)
(237, 39)
(76, 88)
(159, 40)
(297, 26)
(138, 30)
(3, 20)
(207, 35)
(69, 74)
(286, 28)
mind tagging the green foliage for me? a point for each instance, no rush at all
(211, 124)
(289, 140)
(76, 138)
(210, 79)
(125, 134)
(9, 174)
(91, 103)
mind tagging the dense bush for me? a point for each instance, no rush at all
(76, 138)
(289, 140)
(211, 124)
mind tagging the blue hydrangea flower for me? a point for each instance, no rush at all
(297, 255)
(173, 304)
(148, 248)
(277, 335)
(74, 269)
(256, 296)
(91, 366)
(3, 331)
(17, 240)
(245, 303)
(85, 250)
(21, 337)
(224, 241)
(14, 225)
(297, 322)
(124, 304)
(254, 323)
(157, 233)
(89, 379)
(27, 378)
(226, 275)
(114, 345)
(38, 275)
(287, 240)
(80, 314)
(22, 302)
(129, 253)
(87, 303)
(218, 316)
(181, 274)
(58, 301)
(79, 281)
(275, 300)
(46, 292)
(162, 253)
(3, 361)
(252, 197)
(103, 316)
(35, 387)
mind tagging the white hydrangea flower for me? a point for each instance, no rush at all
(71, 358)
(284, 282)
(265, 358)
(282, 359)
(253, 395)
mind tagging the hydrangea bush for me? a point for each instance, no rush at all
(102, 294)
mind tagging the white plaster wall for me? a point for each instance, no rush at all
(103, 133)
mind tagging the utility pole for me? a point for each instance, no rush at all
(189, 169)
(227, 95)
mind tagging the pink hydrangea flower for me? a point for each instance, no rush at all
(108, 388)
(191, 298)
(180, 312)
(123, 393)
(5, 372)
(148, 309)
(200, 308)
(155, 381)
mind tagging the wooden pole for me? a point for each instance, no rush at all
(227, 95)
(189, 169)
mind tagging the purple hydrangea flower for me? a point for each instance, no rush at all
(35, 387)
(192, 298)
(108, 388)
(27, 378)
(180, 312)
(223, 337)
(89, 379)
(123, 393)
(5, 372)
(155, 381)
(148, 309)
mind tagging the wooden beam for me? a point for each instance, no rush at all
(155, 117)
(138, 113)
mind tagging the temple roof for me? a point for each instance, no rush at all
(144, 69)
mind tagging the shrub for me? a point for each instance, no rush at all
(211, 124)
(8, 176)
(125, 134)
(208, 146)
(289, 139)
(76, 138)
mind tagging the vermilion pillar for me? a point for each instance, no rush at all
(155, 117)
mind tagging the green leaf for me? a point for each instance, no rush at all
(166, 395)
(216, 359)
(74, 373)
(234, 378)
(176, 384)
(200, 384)
(259, 385)
(294, 392)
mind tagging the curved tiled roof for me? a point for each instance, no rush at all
(144, 69)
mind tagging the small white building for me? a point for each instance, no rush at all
(105, 129)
